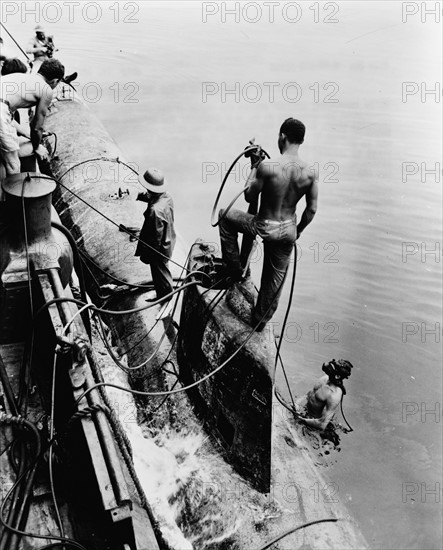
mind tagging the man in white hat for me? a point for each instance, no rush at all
(157, 236)
(41, 46)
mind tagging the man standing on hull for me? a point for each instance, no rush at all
(157, 236)
(20, 91)
(279, 184)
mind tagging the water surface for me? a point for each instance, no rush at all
(356, 291)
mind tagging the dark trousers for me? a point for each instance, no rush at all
(278, 241)
(161, 277)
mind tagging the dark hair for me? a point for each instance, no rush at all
(52, 68)
(294, 130)
(13, 65)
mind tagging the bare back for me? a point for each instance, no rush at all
(323, 396)
(284, 181)
(23, 90)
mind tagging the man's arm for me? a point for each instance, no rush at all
(311, 208)
(22, 129)
(38, 122)
(143, 196)
(254, 183)
(327, 415)
(35, 48)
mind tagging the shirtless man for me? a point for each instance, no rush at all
(19, 91)
(280, 184)
(324, 399)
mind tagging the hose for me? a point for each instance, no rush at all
(78, 266)
(294, 529)
(120, 226)
(226, 210)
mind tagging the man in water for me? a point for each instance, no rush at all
(323, 400)
(157, 236)
(41, 46)
(18, 91)
(279, 183)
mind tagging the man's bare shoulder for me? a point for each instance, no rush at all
(334, 395)
(267, 168)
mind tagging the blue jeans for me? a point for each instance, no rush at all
(278, 241)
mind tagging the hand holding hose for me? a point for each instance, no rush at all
(256, 155)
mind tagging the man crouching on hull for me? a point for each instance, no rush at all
(19, 91)
(279, 184)
(323, 400)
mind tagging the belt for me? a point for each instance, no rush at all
(5, 102)
(275, 222)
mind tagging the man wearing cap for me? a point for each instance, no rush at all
(157, 236)
(20, 91)
(41, 46)
(321, 403)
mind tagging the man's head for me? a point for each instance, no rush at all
(337, 370)
(13, 65)
(52, 71)
(292, 132)
(40, 32)
(154, 181)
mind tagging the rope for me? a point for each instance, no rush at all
(122, 439)
(217, 199)
(16, 43)
(105, 159)
(87, 411)
(277, 355)
(120, 226)
(294, 529)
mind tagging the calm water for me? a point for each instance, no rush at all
(358, 295)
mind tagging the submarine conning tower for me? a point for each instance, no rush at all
(29, 244)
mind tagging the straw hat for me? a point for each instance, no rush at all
(39, 28)
(155, 181)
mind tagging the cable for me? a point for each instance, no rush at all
(28, 267)
(117, 361)
(55, 142)
(185, 388)
(32, 466)
(291, 293)
(51, 435)
(179, 390)
(96, 309)
(16, 43)
(76, 314)
(294, 529)
(226, 210)
(343, 414)
(120, 226)
(148, 286)
(105, 159)
(19, 508)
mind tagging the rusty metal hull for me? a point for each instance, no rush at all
(236, 402)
